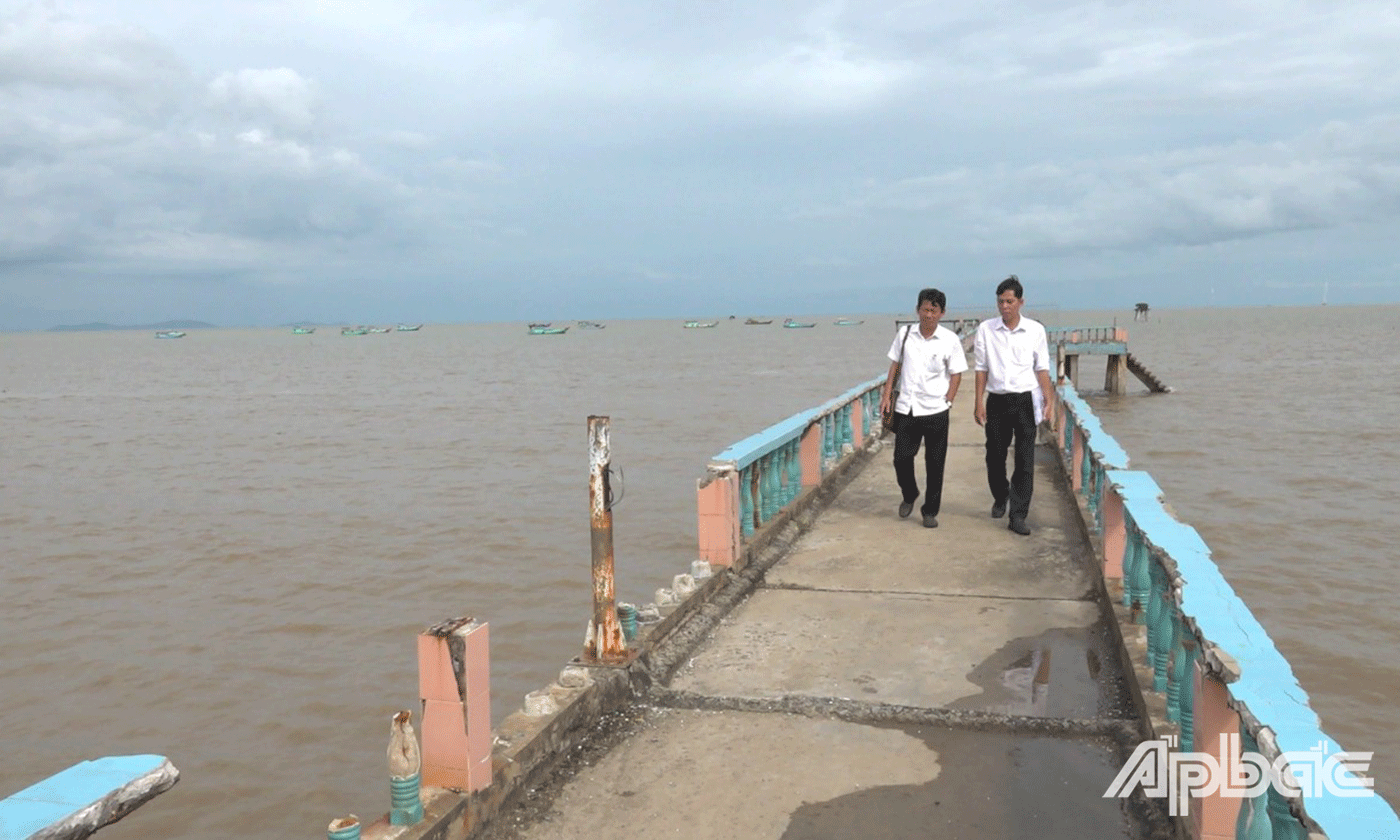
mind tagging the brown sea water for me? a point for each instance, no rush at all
(220, 548)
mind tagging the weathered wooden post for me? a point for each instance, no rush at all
(604, 643)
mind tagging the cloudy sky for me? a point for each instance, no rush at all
(264, 161)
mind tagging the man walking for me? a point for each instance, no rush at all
(1012, 359)
(926, 365)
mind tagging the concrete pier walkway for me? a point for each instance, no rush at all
(881, 679)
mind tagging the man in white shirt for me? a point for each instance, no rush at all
(1012, 360)
(926, 365)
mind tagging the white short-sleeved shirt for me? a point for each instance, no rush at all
(1010, 357)
(929, 365)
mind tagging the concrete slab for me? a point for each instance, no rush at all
(702, 775)
(932, 651)
(860, 543)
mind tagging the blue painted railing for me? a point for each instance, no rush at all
(1174, 589)
(78, 801)
(769, 463)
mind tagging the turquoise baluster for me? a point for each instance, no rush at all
(847, 433)
(1150, 607)
(1129, 559)
(794, 469)
(1160, 636)
(1174, 660)
(1286, 826)
(746, 501)
(770, 488)
(1069, 436)
(1253, 821)
(1086, 468)
(1142, 578)
(828, 443)
(1100, 476)
(1187, 696)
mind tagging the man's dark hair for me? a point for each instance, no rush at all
(934, 297)
(1013, 284)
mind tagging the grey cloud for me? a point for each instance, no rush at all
(278, 96)
(1330, 177)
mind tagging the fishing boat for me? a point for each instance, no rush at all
(797, 325)
(379, 330)
(699, 325)
(847, 322)
(409, 327)
(170, 334)
(539, 325)
(590, 325)
(753, 321)
(548, 330)
(303, 330)
(353, 330)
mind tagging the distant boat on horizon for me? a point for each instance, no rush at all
(409, 327)
(699, 325)
(754, 321)
(170, 334)
(590, 325)
(536, 329)
(303, 330)
(847, 322)
(790, 324)
(354, 330)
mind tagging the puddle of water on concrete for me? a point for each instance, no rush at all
(990, 785)
(1066, 672)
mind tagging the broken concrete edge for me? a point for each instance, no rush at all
(113, 806)
(527, 748)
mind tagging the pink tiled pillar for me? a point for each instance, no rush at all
(456, 705)
(1115, 533)
(717, 503)
(810, 452)
(1213, 817)
(858, 424)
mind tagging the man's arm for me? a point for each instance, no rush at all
(953, 382)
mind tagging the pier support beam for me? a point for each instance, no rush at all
(1115, 377)
(1071, 371)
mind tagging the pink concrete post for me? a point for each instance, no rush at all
(456, 704)
(1115, 533)
(810, 451)
(858, 424)
(1213, 817)
(717, 504)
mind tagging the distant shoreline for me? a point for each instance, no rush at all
(98, 326)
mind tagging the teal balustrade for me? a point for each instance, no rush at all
(769, 464)
(1188, 607)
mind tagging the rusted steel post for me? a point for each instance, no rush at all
(605, 642)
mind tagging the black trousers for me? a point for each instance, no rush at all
(1011, 416)
(931, 430)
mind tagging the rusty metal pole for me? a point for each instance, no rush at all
(605, 643)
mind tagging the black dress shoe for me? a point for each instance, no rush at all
(930, 521)
(1019, 526)
(999, 509)
(905, 508)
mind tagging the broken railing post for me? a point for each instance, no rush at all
(454, 681)
(344, 828)
(604, 643)
(405, 764)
